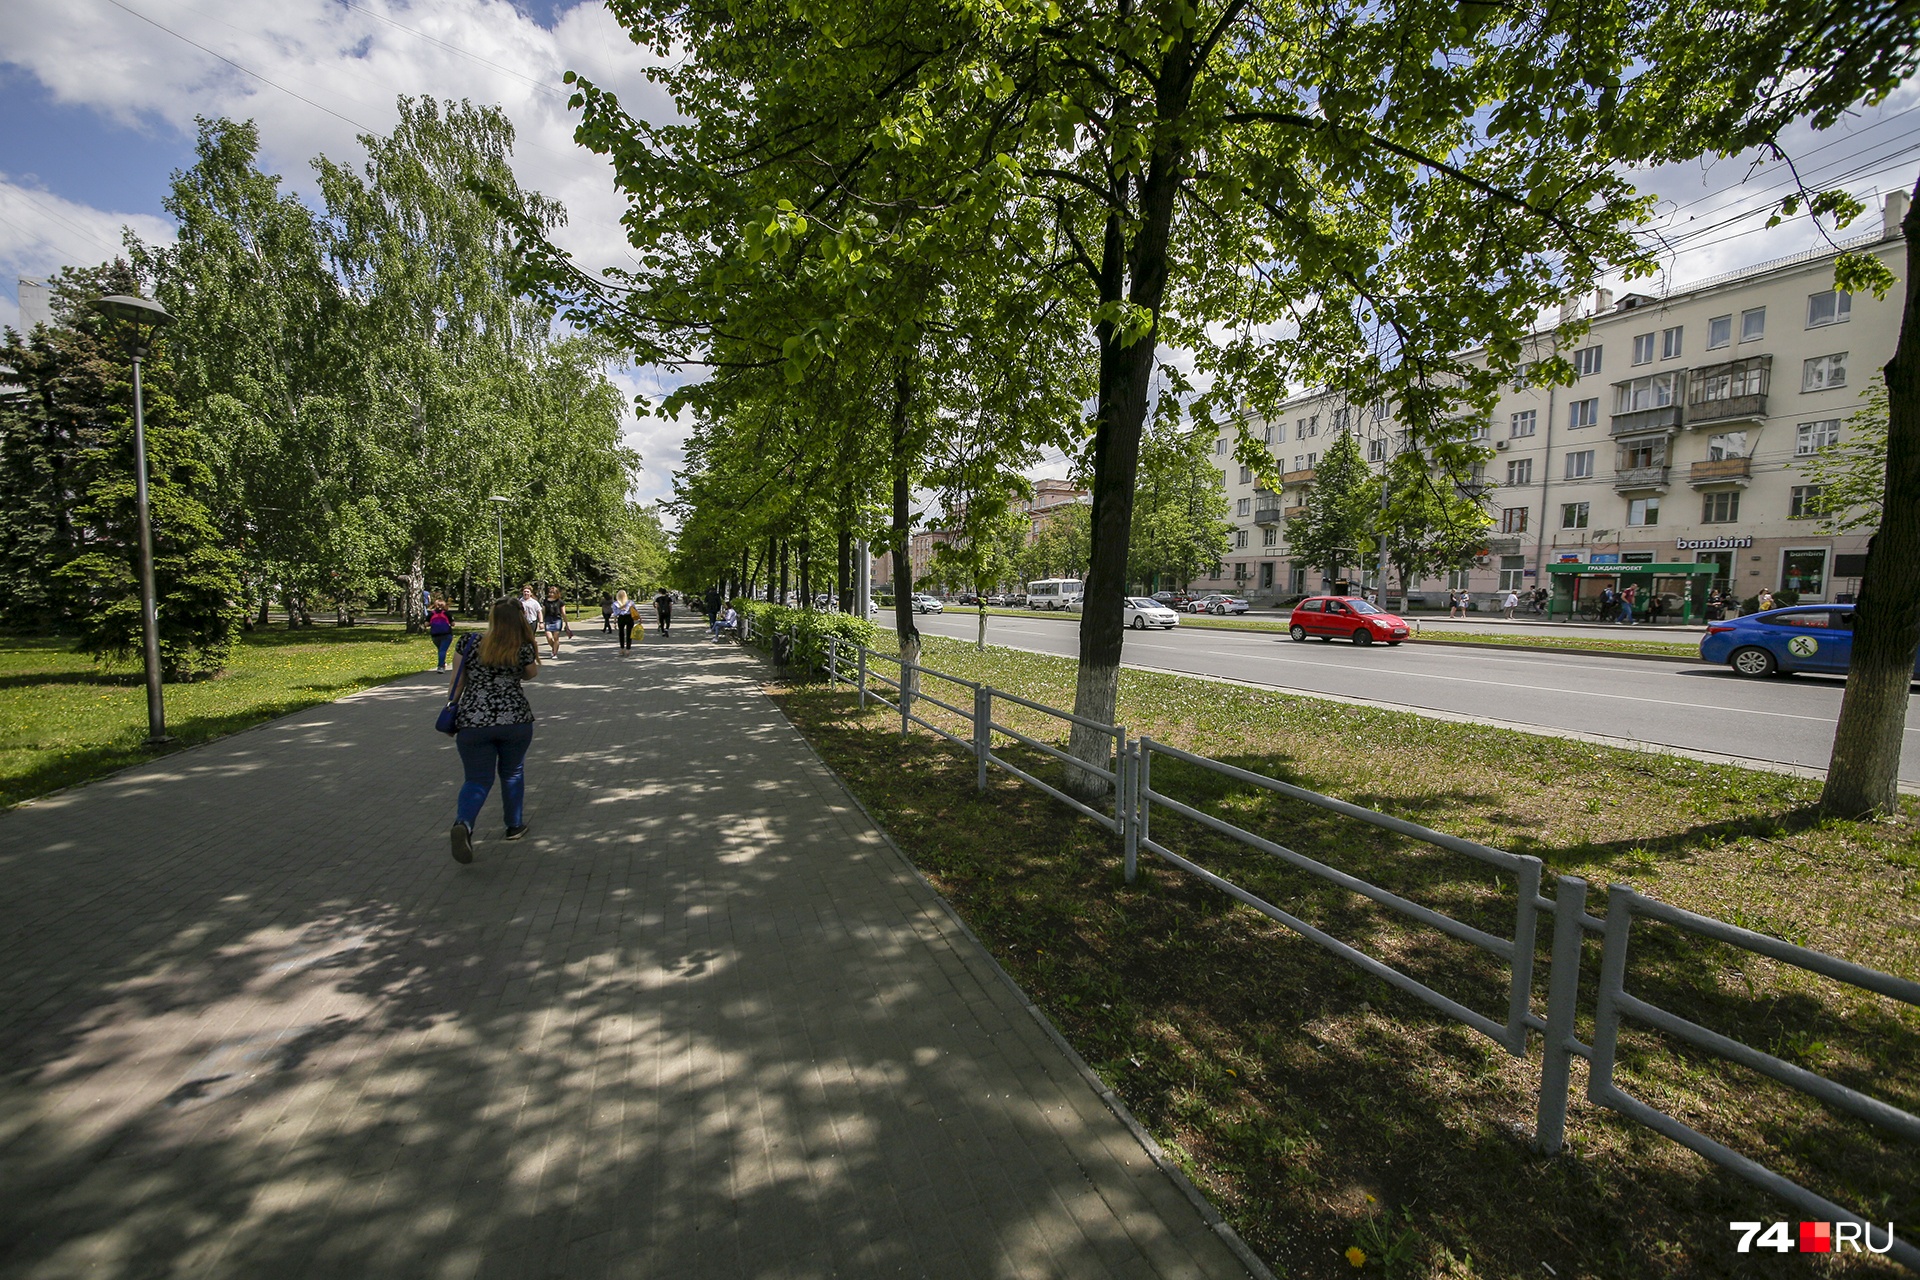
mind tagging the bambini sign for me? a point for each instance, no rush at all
(1711, 544)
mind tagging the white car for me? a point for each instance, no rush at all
(1141, 613)
(927, 604)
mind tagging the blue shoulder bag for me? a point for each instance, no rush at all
(448, 721)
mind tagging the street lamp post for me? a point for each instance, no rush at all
(145, 318)
(500, 532)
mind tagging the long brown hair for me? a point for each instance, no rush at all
(507, 633)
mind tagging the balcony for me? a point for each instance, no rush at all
(1501, 546)
(1266, 515)
(1723, 471)
(1731, 409)
(1625, 478)
(1641, 421)
(1304, 476)
(1294, 513)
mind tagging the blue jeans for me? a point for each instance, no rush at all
(482, 751)
(442, 643)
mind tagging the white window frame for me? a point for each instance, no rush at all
(1519, 472)
(1810, 438)
(1307, 427)
(1830, 371)
(1269, 537)
(1583, 413)
(1800, 500)
(1722, 506)
(1647, 507)
(1376, 450)
(1643, 348)
(1244, 508)
(1576, 515)
(1655, 391)
(1839, 308)
(1586, 361)
(1753, 324)
(1671, 342)
(1523, 423)
(1719, 332)
(1513, 573)
(1580, 464)
(1246, 475)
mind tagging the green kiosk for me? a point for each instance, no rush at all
(1682, 588)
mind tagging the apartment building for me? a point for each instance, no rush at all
(1682, 440)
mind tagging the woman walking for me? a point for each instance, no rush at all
(555, 611)
(440, 627)
(663, 610)
(495, 722)
(626, 613)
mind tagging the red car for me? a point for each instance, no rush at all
(1345, 617)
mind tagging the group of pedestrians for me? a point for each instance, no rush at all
(493, 721)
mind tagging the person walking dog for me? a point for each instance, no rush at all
(440, 627)
(494, 722)
(663, 611)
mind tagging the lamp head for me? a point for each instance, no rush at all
(143, 315)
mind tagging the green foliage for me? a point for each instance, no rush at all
(809, 628)
(1853, 473)
(1061, 546)
(1180, 524)
(1342, 505)
(1430, 525)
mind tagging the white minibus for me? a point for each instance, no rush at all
(1054, 593)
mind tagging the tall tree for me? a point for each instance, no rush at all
(1337, 528)
(1180, 523)
(1431, 524)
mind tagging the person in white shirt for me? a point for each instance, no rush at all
(531, 607)
(1511, 603)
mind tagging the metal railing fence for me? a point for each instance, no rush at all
(1131, 776)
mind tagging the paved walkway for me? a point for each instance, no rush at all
(254, 1021)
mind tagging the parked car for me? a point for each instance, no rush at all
(1346, 618)
(1141, 613)
(927, 604)
(1785, 641)
(1219, 603)
(1172, 599)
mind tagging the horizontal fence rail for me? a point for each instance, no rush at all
(1130, 774)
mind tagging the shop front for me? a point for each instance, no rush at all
(1678, 590)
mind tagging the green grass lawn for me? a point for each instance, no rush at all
(1322, 1110)
(65, 720)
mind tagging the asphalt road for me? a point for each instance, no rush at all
(1688, 705)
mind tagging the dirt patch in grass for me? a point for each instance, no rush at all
(1323, 1111)
(65, 719)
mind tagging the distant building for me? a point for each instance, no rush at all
(36, 304)
(1050, 499)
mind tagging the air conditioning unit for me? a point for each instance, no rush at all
(1502, 444)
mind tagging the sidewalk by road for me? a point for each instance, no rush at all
(254, 1021)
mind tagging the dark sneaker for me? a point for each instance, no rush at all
(462, 843)
(514, 833)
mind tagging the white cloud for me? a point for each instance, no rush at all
(40, 231)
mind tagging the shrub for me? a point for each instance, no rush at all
(808, 627)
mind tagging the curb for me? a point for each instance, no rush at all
(1208, 1214)
(1555, 648)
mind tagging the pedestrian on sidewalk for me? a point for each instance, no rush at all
(625, 613)
(1655, 603)
(1456, 604)
(554, 610)
(1626, 605)
(1765, 600)
(606, 612)
(530, 606)
(494, 722)
(663, 610)
(440, 627)
(1511, 603)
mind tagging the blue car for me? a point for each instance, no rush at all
(1814, 637)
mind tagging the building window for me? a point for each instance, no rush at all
(1513, 520)
(1477, 433)
(1805, 572)
(1520, 471)
(1240, 541)
(1220, 447)
(1643, 348)
(1719, 332)
(1313, 460)
(1728, 444)
(1641, 454)
(1244, 508)
(1824, 373)
(1753, 324)
(1720, 508)
(1299, 462)
(1805, 501)
(1266, 575)
(1459, 579)
(1831, 307)
(1307, 427)
(1656, 392)
(1584, 413)
(1643, 511)
(1580, 466)
(1573, 515)
(1741, 378)
(1376, 451)
(1266, 434)
(1670, 342)
(1810, 438)
(1522, 424)
(1586, 361)
(1246, 475)
(1513, 572)
(1270, 537)
(1341, 418)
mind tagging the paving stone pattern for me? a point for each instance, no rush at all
(255, 1021)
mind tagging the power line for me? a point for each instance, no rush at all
(237, 67)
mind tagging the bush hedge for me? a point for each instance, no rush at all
(808, 627)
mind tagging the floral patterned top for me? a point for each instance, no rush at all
(492, 695)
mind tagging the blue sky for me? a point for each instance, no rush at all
(99, 99)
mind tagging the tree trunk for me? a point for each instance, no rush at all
(806, 573)
(904, 628)
(843, 580)
(782, 597)
(1863, 778)
(416, 614)
(1125, 377)
(980, 643)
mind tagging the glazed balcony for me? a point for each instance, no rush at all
(1627, 478)
(1721, 471)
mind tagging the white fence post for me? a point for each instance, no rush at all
(1563, 995)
